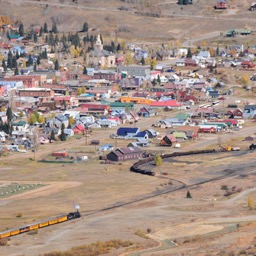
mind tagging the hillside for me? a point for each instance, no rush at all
(132, 20)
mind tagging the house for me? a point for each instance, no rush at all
(2, 136)
(247, 64)
(168, 140)
(180, 135)
(190, 131)
(253, 6)
(93, 109)
(141, 135)
(235, 113)
(127, 132)
(204, 54)
(189, 62)
(180, 62)
(213, 94)
(221, 4)
(61, 119)
(249, 111)
(139, 143)
(146, 112)
(69, 132)
(151, 133)
(78, 129)
(124, 154)
(106, 147)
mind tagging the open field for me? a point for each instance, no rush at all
(118, 204)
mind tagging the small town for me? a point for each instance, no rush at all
(149, 145)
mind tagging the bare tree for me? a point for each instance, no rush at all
(35, 140)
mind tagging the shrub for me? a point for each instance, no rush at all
(250, 202)
(19, 215)
(3, 241)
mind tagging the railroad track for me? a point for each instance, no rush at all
(235, 172)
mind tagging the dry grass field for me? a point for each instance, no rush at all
(155, 221)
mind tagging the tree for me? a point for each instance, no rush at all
(152, 63)
(62, 135)
(128, 58)
(35, 37)
(35, 141)
(54, 28)
(9, 114)
(21, 29)
(188, 194)
(158, 160)
(85, 27)
(45, 28)
(16, 71)
(71, 121)
(158, 79)
(78, 91)
(30, 61)
(85, 71)
(52, 136)
(4, 65)
(245, 79)
(56, 65)
(142, 61)
(189, 54)
(9, 60)
(250, 203)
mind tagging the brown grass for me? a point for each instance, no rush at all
(94, 249)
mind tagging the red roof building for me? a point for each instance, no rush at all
(164, 104)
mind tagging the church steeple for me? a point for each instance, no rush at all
(98, 44)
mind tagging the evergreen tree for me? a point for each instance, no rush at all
(218, 51)
(35, 37)
(54, 28)
(158, 79)
(9, 114)
(4, 65)
(142, 61)
(46, 39)
(85, 27)
(113, 46)
(45, 28)
(35, 66)
(44, 55)
(41, 31)
(30, 61)
(52, 136)
(118, 48)
(62, 135)
(14, 62)
(16, 71)
(38, 60)
(188, 194)
(21, 29)
(189, 54)
(9, 60)
(85, 71)
(56, 65)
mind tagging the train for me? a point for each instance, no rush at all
(135, 168)
(41, 224)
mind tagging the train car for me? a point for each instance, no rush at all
(62, 218)
(43, 224)
(24, 229)
(34, 226)
(14, 232)
(5, 234)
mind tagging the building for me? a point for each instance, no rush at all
(36, 92)
(221, 4)
(124, 154)
(100, 57)
(133, 71)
